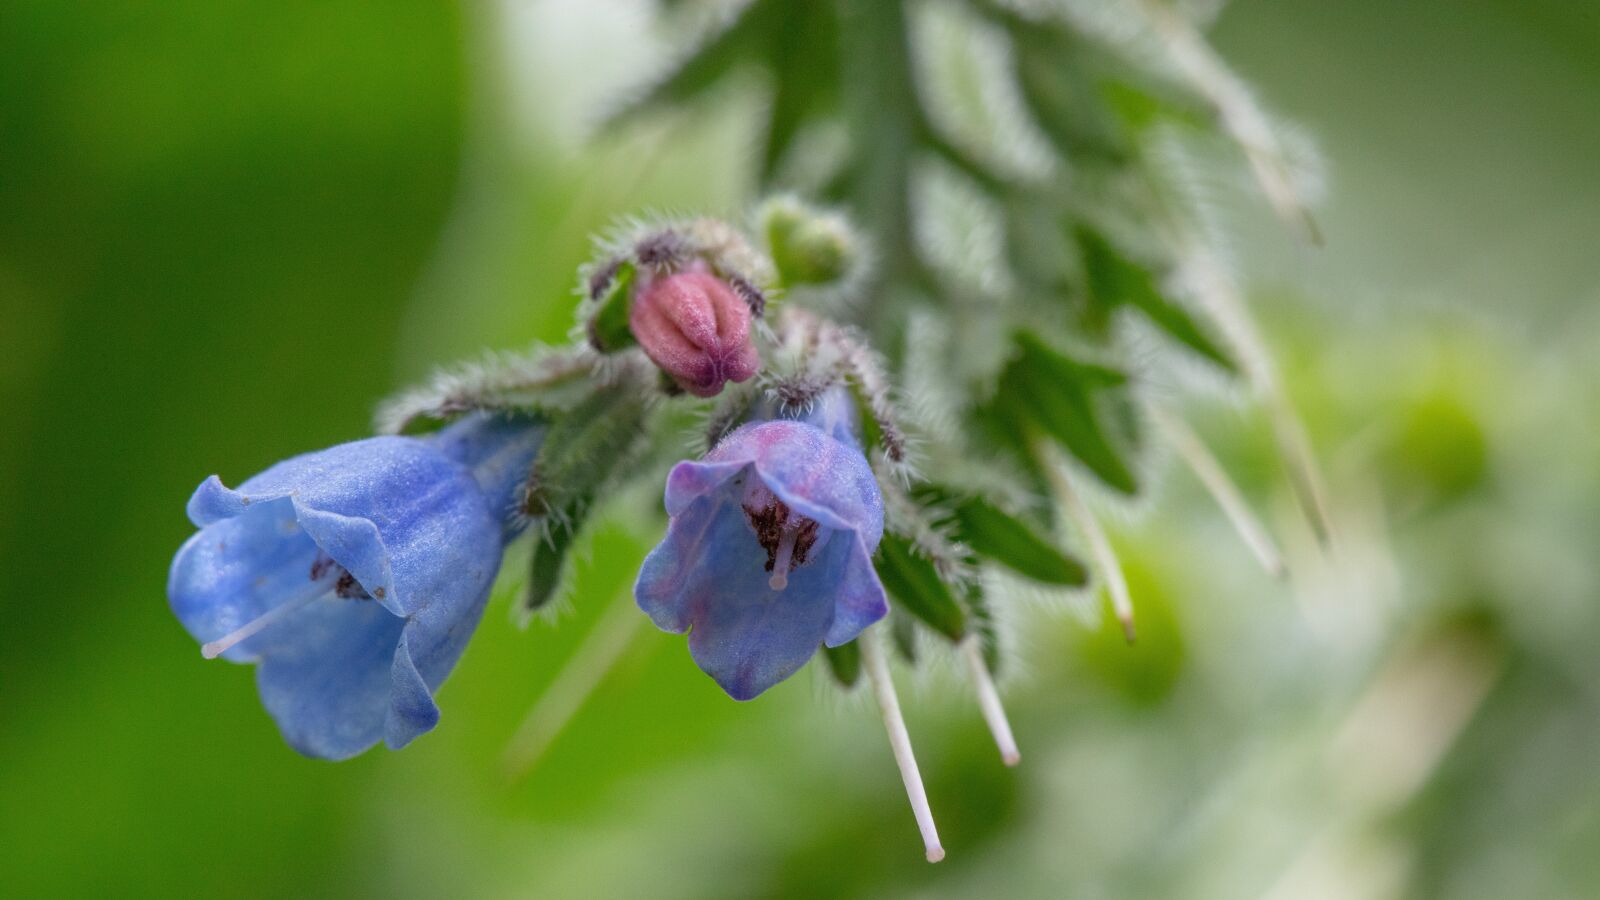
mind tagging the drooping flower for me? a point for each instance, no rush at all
(353, 576)
(769, 549)
(697, 329)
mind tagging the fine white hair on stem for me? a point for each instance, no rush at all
(877, 667)
(1215, 479)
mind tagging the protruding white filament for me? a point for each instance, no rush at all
(780, 564)
(1105, 558)
(989, 702)
(900, 740)
(314, 591)
(1222, 489)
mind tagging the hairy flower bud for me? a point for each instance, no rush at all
(697, 329)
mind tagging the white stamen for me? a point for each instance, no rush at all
(1222, 489)
(780, 565)
(989, 702)
(315, 590)
(900, 741)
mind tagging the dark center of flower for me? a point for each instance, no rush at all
(345, 586)
(786, 536)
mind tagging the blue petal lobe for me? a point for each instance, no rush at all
(409, 523)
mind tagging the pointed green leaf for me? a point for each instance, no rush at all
(1058, 83)
(1011, 542)
(1048, 391)
(547, 567)
(918, 589)
(1113, 279)
(844, 662)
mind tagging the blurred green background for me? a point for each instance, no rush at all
(227, 228)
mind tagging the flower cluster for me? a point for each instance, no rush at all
(896, 431)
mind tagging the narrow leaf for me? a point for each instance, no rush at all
(903, 631)
(547, 567)
(844, 662)
(977, 604)
(918, 589)
(1113, 279)
(1014, 544)
(1044, 389)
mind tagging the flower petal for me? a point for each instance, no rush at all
(238, 569)
(409, 523)
(707, 577)
(859, 599)
(328, 690)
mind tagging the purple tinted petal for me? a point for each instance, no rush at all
(708, 577)
(859, 597)
(689, 481)
(816, 475)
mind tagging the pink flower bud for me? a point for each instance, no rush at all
(696, 329)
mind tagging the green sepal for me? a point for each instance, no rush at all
(1113, 280)
(608, 319)
(917, 588)
(844, 662)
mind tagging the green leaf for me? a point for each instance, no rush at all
(1059, 84)
(918, 589)
(718, 55)
(547, 567)
(844, 662)
(608, 324)
(1044, 390)
(1113, 280)
(1014, 544)
(983, 623)
(903, 631)
(805, 78)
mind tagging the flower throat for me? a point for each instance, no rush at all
(786, 536)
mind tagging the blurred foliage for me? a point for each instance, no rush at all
(226, 229)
